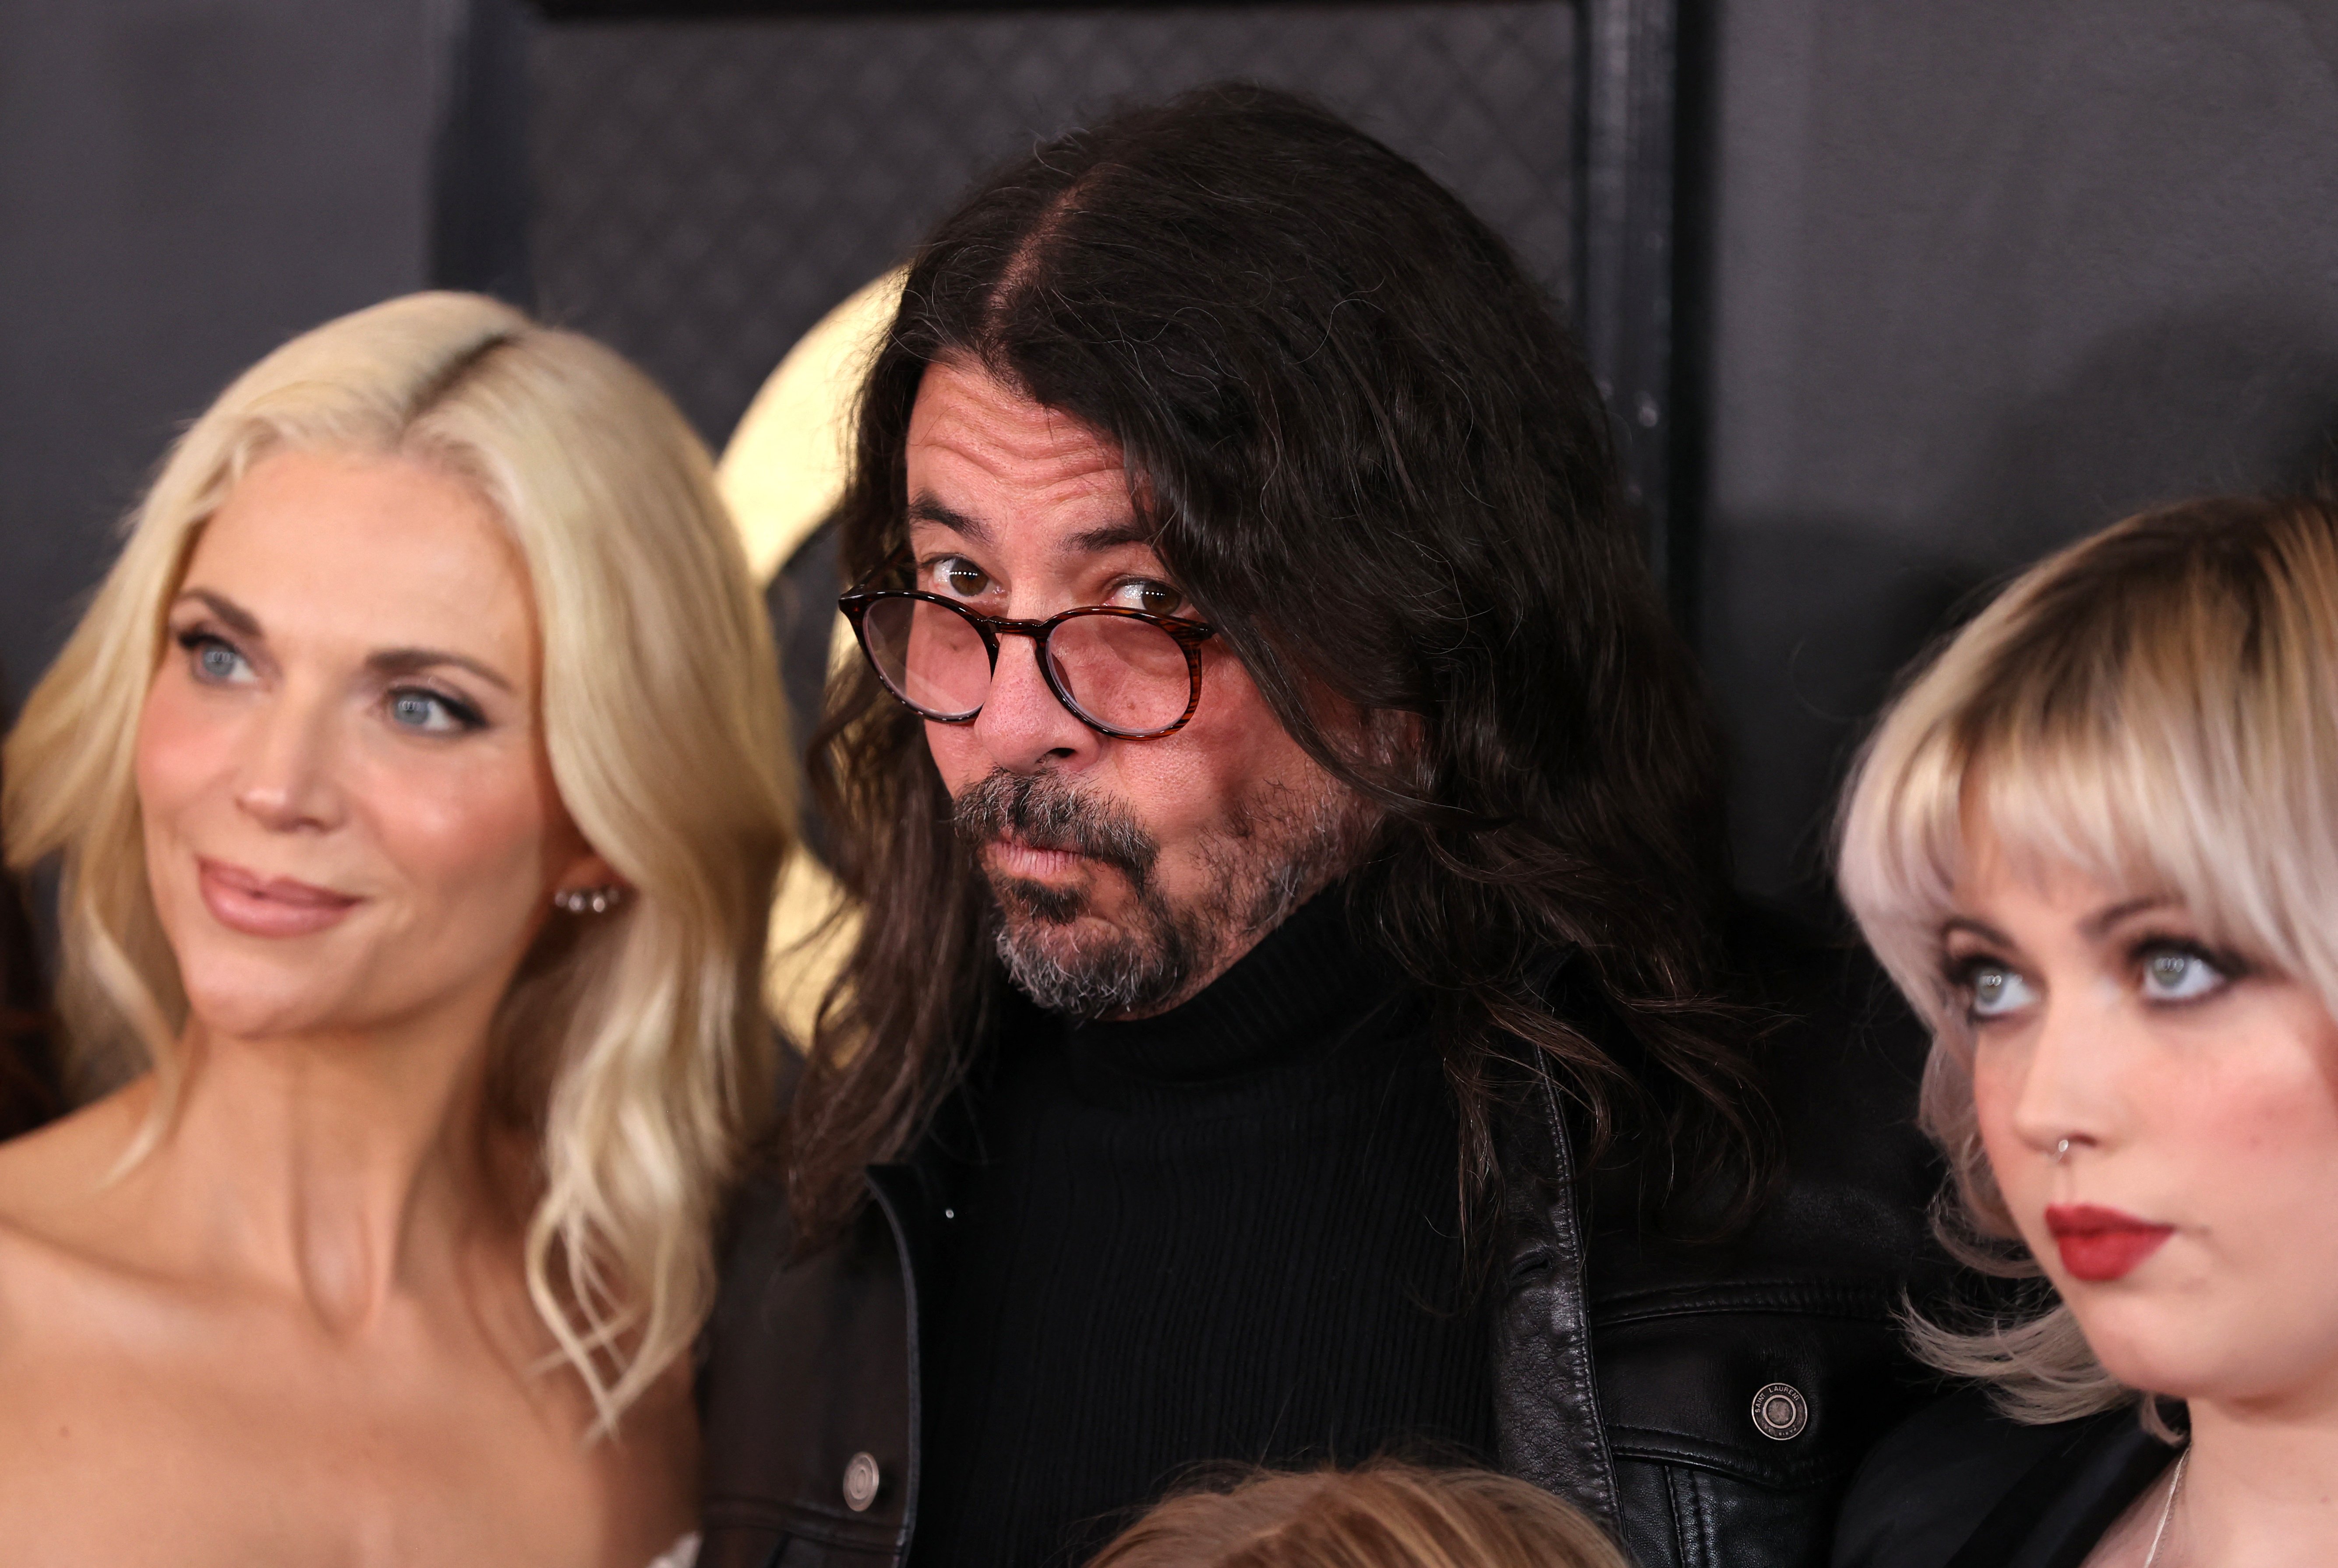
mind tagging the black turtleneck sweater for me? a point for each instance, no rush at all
(1227, 1233)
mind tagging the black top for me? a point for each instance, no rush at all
(1227, 1233)
(1958, 1485)
(1623, 1367)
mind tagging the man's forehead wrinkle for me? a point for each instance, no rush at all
(1041, 478)
(1021, 451)
(1051, 439)
(978, 407)
(989, 461)
(1068, 430)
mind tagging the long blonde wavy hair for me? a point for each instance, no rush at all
(2157, 706)
(633, 1042)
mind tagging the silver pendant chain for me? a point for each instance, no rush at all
(2167, 1510)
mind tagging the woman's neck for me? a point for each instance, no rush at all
(2258, 1486)
(340, 1171)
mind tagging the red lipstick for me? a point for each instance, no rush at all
(2100, 1244)
(259, 906)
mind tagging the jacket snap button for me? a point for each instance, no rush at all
(860, 1478)
(1780, 1411)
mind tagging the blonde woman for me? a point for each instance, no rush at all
(1383, 1516)
(2097, 844)
(415, 779)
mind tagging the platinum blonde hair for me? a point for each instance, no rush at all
(2158, 708)
(633, 1042)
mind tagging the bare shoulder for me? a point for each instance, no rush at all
(53, 1176)
(67, 1290)
(58, 1226)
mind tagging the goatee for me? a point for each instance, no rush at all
(1260, 865)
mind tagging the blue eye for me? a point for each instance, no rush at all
(431, 713)
(1994, 991)
(2178, 974)
(215, 661)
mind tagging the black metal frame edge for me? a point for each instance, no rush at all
(1641, 289)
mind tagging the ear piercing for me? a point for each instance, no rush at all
(587, 900)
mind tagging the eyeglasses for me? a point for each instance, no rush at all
(1127, 673)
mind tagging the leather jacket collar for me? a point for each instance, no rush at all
(1708, 1402)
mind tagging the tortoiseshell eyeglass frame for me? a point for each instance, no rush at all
(1189, 635)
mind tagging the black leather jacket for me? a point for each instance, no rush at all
(1709, 1401)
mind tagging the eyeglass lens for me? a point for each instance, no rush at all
(1115, 670)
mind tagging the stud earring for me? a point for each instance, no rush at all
(587, 900)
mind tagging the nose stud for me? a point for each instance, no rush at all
(2061, 1152)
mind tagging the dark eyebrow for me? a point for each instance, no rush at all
(926, 509)
(1108, 536)
(393, 661)
(1112, 535)
(236, 617)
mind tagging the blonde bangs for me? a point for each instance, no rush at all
(2156, 708)
(2163, 721)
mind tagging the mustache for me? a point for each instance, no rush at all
(1046, 811)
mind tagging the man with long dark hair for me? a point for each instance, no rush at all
(1297, 1014)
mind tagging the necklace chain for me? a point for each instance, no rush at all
(2167, 1510)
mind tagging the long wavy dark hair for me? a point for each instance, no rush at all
(1380, 468)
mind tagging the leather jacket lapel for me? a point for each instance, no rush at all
(1546, 1403)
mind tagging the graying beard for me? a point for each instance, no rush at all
(1141, 972)
(1127, 974)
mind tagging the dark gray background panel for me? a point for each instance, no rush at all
(1989, 275)
(184, 183)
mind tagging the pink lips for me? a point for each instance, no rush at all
(259, 906)
(1017, 859)
(2100, 1244)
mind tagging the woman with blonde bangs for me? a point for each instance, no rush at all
(2096, 843)
(416, 783)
